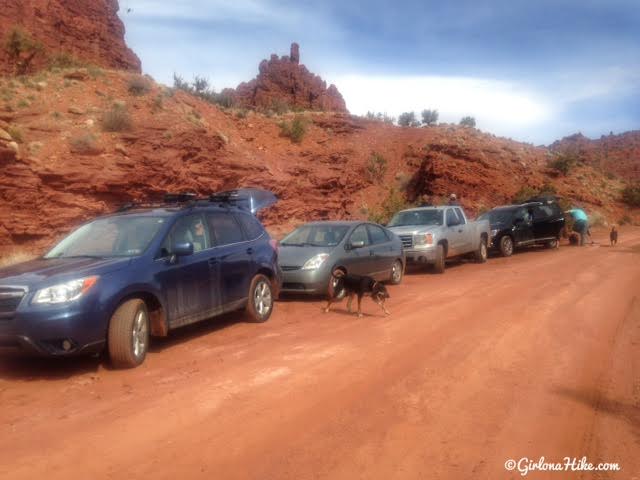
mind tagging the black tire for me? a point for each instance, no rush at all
(506, 246)
(440, 264)
(397, 273)
(481, 253)
(128, 335)
(260, 301)
(552, 244)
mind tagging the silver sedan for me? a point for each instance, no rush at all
(309, 254)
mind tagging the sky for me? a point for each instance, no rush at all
(531, 70)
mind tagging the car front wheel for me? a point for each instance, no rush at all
(506, 246)
(396, 273)
(128, 336)
(260, 303)
(481, 252)
(440, 263)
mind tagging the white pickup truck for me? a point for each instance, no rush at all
(432, 234)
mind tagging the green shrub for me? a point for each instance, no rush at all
(200, 87)
(625, 220)
(279, 106)
(429, 117)
(295, 129)
(631, 195)
(376, 167)
(563, 164)
(524, 194)
(393, 203)
(138, 85)
(64, 60)
(408, 119)
(468, 122)
(16, 133)
(85, 144)
(21, 50)
(117, 120)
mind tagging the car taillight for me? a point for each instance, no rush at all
(274, 245)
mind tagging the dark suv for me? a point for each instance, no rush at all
(537, 222)
(150, 268)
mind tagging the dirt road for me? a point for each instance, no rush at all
(529, 356)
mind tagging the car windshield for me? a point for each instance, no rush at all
(316, 236)
(416, 217)
(497, 216)
(124, 236)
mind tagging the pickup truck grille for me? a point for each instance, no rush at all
(407, 241)
(10, 298)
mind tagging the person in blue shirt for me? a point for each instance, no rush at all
(580, 223)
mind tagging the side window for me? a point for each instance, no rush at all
(377, 234)
(224, 228)
(542, 212)
(460, 216)
(452, 218)
(360, 235)
(189, 229)
(250, 225)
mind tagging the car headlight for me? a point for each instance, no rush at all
(494, 233)
(423, 239)
(315, 262)
(65, 292)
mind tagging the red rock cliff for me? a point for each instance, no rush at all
(87, 29)
(282, 81)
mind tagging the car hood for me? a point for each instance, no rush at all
(413, 229)
(50, 270)
(297, 256)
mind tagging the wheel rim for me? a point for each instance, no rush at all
(396, 271)
(262, 298)
(139, 334)
(483, 251)
(508, 246)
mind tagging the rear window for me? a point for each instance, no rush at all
(251, 225)
(224, 228)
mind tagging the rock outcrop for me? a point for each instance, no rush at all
(282, 83)
(88, 30)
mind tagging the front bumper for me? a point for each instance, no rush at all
(311, 282)
(52, 332)
(421, 255)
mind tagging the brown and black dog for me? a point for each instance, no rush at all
(357, 285)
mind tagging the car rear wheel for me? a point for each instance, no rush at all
(552, 243)
(506, 246)
(396, 273)
(440, 264)
(481, 252)
(260, 303)
(128, 336)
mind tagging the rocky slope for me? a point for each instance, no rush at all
(617, 154)
(285, 84)
(61, 165)
(88, 30)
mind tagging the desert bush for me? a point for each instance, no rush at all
(625, 220)
(429, 117)
(631, 195)
(393, 202)
(376, 167)
(563, 163)
(279, 106)
(64, 60)
(200, 87)
(596, 219)
(408, 119)
(117, 119)
(295, 129)
(85, 144)
(21, 49)
(468, 122)
(524, 194)
(138, 85)
(16, 133)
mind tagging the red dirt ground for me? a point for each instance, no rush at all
(529, 356)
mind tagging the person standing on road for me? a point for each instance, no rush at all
(580, 223)
(453, 200)
(613, 235)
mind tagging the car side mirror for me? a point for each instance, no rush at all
(182, 249)
(357, 244)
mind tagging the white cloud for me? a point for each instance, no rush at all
(500, 107)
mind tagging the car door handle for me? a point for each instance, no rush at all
(249, 251)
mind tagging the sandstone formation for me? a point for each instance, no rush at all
(89, 30)
(282, 83)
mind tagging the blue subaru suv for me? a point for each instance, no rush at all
(143, 271)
